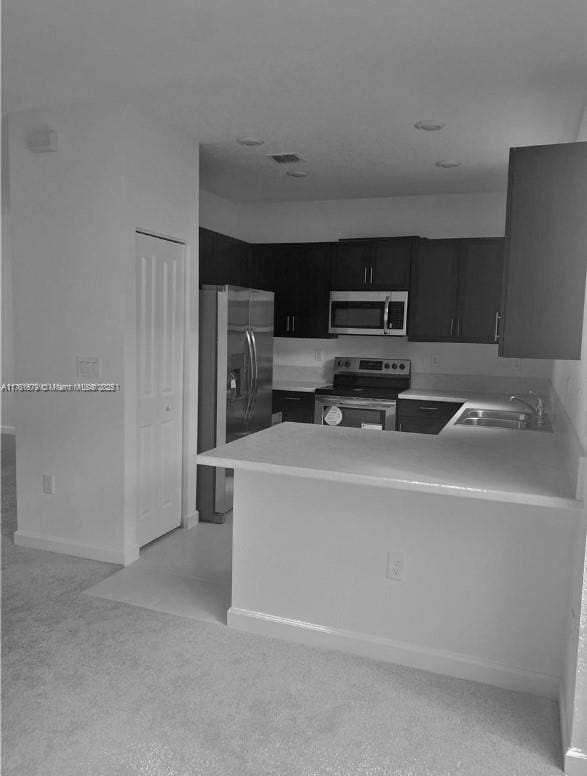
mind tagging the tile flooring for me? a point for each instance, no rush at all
(185, 572)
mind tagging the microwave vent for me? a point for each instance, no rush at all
(290, 158)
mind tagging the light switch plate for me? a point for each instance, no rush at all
(88, 368)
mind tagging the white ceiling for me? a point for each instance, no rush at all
(339, 81)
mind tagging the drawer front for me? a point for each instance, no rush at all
(295, 406)
(425, 417)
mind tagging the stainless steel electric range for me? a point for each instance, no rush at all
(363, 394)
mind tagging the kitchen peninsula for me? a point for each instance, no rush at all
(447, 553)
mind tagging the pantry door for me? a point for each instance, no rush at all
(160, 325)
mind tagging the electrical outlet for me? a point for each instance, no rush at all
(48, 481)
(434, 361)
(517, 364)
(318, 355)
(395, 566)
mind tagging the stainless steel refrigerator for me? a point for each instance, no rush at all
(235, 381)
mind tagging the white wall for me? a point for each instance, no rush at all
(569, 380)
(446, 215)
(72, 223)
(219, 214)
(475, 601)
(6, 399)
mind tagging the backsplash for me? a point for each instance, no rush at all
(442, 361)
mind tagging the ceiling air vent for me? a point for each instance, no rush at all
(285, 158)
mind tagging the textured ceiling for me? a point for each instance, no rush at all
(339, 81)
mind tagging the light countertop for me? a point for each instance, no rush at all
(525, 467)
(306, 386)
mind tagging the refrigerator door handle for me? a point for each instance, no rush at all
(255, 370)
(248, 406)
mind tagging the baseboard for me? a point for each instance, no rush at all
(376, 647)
(189, 521)
(575, 762)
(92, 552)
(8, 430)
(563, 719)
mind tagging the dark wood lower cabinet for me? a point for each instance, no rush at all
(424, 417)
(295, 406)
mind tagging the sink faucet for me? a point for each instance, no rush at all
(537, 409)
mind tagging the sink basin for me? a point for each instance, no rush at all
(521, 421)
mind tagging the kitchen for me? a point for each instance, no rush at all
(144, 163)
(272, 471)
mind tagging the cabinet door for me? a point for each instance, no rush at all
(433, 291)
(424, 417)
(310, 268)
(223, 259)
(351, 266)
(391, 263)
(546, 235)
(480, 276)
(295, 406)
(263, 267)
(272, 271)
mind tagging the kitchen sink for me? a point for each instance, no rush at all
(522, 421)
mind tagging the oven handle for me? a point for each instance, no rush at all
(346, 401)
(386, 313)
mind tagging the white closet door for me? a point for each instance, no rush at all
(160, 310)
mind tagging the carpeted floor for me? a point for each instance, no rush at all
(95, 687)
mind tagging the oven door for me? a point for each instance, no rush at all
(376, 414)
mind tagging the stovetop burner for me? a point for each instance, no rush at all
(377, 378)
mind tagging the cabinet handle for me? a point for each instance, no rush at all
(287, 323)
(496, 334)
(371, 276)
(429, 409)
(293, 324)
(292, 398)
(452, 326)
(364, 275)
(458, 327)
(399, 428)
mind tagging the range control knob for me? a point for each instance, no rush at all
(347, 363)
(386, 365)
(394, 365)
(339, 363)
(402, 366)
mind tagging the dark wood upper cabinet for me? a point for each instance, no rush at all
(455, 290)
(546, 257)
(299, 275)
(433, 291)
(392, 263)
(223, 259)
(372, 265)
(479, 296)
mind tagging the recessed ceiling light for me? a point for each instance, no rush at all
(447, 163)
(429, 126)
(250, 141)
(297, 173)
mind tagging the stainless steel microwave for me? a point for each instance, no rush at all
(369, 312)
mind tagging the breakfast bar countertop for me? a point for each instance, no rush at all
(524, 467)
